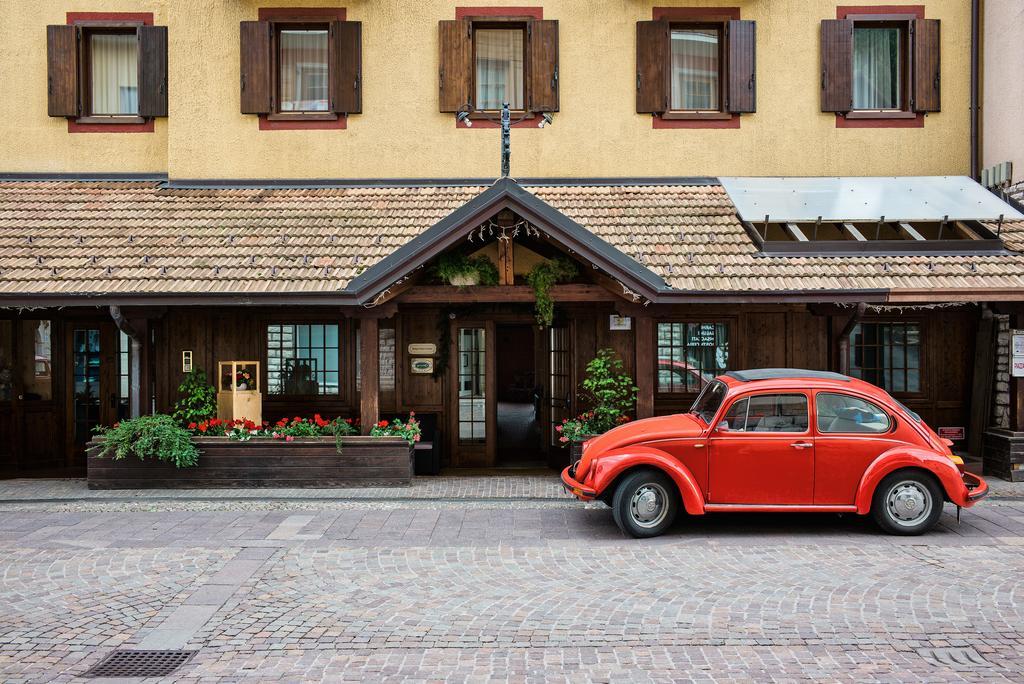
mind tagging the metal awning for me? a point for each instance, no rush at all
(853, 198)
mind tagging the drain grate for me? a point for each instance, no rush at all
(139, 664)
(954, 658)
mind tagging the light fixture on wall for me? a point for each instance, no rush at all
(546, 119)
(463, 117)
(506, 123)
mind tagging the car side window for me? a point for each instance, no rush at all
(843, 413)
(735, 418)
(777, 413)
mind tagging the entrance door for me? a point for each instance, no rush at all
(559, 392)
(472, 395)
(94, 396)
(766, 456)
(519, 392)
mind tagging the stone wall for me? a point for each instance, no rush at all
(1001, 388)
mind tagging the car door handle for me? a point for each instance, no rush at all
(801, 445)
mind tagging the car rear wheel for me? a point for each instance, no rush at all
(907, 503)
(645, 503)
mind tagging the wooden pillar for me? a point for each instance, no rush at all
(369, 361)
(644, 366)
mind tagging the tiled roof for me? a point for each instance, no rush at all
(125, 237)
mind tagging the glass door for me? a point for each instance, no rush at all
(472, 402)
(98, 391)
(560, 390)
(85, 370)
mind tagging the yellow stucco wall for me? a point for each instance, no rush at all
(401, 133)
(31, 141)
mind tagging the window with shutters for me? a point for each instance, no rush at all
(879, 67)
(696, 65)
(301, 68)
(107, 69)
(487, 59)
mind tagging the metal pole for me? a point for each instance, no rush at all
(506, 142)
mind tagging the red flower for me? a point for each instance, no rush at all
(563, 439)
(191, 426)
(214, 422)
(320, 422)
(289, 438)
(296, 419)
(249, 425)
(348, 420)
(412, 413)
(382, 424)
(203, 427)
(558, 428)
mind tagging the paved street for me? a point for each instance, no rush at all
(462, 584)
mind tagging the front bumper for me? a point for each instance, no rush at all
(574, 487)
(977, 488)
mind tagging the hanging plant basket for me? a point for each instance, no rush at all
(464, 279)
(465, 271)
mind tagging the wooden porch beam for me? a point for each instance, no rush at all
(852, 232)
(645, 371)
(369, 360)
(502, 293)
(908, 232)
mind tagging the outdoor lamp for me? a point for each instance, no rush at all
(463, 116)
(545, 120)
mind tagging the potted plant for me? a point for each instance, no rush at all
(541, 278)
(461, 270)
(610, 394)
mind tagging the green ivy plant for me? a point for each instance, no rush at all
(198, 401)
(608, 390)
(541, 278)
(157, 437)
(456, 265)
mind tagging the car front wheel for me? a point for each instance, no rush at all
(907, 503)
(645, 503)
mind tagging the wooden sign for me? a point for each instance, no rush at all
(423, 348)
(620, 322)
(186, 362)
(422, 365)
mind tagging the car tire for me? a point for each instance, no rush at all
(645, 503)
(907, 503)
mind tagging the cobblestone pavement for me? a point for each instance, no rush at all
(446, 589)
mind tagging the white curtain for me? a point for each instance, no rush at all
(115, 73)
(304, 84)
(695, 69)
(499, 68)
(876, 68)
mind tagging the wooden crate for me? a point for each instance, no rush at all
(263, 462)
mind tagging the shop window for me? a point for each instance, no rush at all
(303, 359)
(887, 355)
(36, 362)
(690, 355)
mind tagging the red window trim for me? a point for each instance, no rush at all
(696, 14)
(146, 19)
(899, 120)
(302, 13)
(468, 12)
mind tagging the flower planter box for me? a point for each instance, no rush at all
(261, 462)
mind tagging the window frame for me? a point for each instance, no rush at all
(688, 397)
(346, 372)
(87, 29)
(922, 328)
(752, 395)
(723, 54)
(509, 23)
(299, 24)
(902, 23)
(890, 420)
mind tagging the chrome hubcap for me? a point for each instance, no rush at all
(649, 505)
(909, 503)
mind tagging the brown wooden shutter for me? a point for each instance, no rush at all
(836, 65)
(926, 64)
(62, 70)
(255, 67)
(346, 67)
(152, 71)
(456, 69)
(542, 83)
(652, 60)
(742, 84)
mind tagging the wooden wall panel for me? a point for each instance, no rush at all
(807, 340)
(418, 392)
(763, 340)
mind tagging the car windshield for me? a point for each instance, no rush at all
(709, 400)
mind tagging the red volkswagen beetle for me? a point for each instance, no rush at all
(774, 440)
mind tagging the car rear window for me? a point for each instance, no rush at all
(845, 414)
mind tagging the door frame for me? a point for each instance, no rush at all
(473, 455)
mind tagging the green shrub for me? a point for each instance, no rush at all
(149, 437)
(609, 391)
(541, 278)
(198, 399)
